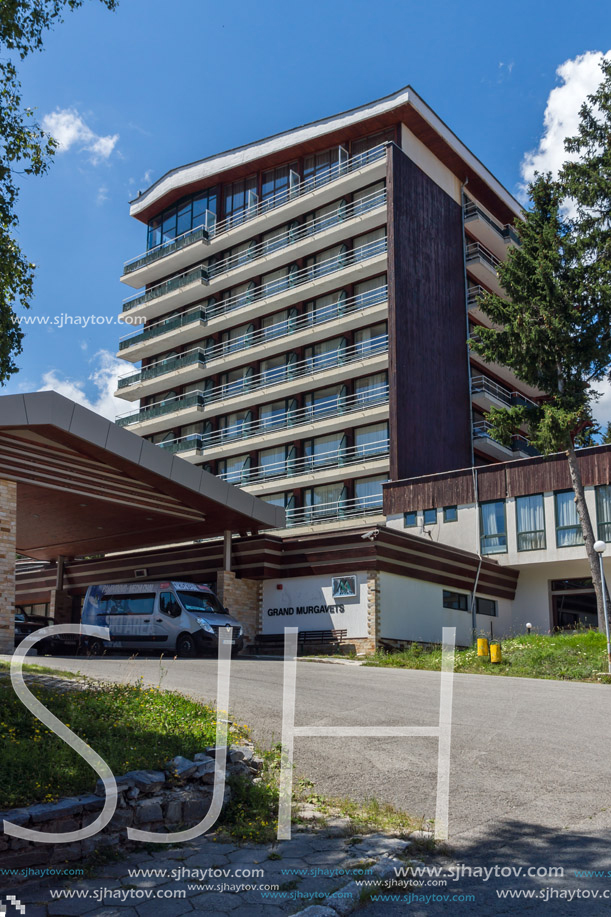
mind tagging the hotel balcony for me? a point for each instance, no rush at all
(337, 464)
(309, 282)
(485, 394)
(358, 311)
(520, 446)
(486, 230)
(347, 175)
(326, 368)
(184, 368)
(371, 505)
(303, 423)
(482, 265)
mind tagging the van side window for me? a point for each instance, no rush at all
(168, 605)
(142, 603)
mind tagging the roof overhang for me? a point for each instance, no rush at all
(405, 105)
(87, 486)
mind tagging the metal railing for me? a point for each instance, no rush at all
(337, 509)
(298, 188)
(162, 408)
(193, 275)
(478, 252)
(472, 296)
(519, 443)
(489, 387)
(170, 365)
(169, 246)
(337, 407)
(472, 211)
(291, 468)
(322, 362)
(164, 327)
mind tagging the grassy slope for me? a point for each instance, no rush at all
(574, 656)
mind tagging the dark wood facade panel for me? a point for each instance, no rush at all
(430, 404)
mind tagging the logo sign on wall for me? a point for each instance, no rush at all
(343, 587)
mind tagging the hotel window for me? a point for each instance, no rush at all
(486, 607)
(286, 499)
(568, 528)
(493, 537)
(326, 500)
(530, 522)
(326, 354)
(277, 369)
(368, 492)
(237, 338)
(369, 292)
(459, 601)
(372, 243)
(234, 469)
(236, 424)
(277, 413)
(319, 168)
(410, 520)
(371, 340)
(239, 199)
(430, 517)
(368, 198)
(371, 388)
(325, 262)
(236, 381)
(363, 148)
(325, 450)
(276, 184)
(327, 307)
(275, 282)
(603, 512)
(175, 221)
(273, 462)
(279, 323)
(450, 514)
(371, 440)
(326, 400)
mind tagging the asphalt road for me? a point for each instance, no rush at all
(530, 760)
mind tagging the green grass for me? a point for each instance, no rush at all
(568, 656)
(41, 670)
(129, 726)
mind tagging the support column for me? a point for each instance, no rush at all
(227, 550)
(8, 546)
(242, 598)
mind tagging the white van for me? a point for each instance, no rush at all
(176, 617)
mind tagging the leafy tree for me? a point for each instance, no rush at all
(24, 150)
(553, 332)
(606, 436)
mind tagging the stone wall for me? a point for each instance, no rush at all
(160, 801)
(243, 599)
(8, 533)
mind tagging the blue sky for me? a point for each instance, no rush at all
(157, 84)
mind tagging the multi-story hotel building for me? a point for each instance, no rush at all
(306, 301)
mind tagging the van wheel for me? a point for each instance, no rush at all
(185, 646)
(95, 647)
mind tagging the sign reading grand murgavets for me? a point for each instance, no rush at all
(307, 610)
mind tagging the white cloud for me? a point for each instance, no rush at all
(104, 375)
(579, 78)
(102, 195)
(69, 129)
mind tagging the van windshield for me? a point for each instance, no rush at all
(200, 601)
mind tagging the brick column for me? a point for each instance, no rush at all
(243, 599)
(8, 535)
(373, 610)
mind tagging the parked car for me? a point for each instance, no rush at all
(179, 617)
(28, 624)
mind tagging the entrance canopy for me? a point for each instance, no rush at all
(87, 486)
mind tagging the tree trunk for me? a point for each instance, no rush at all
(588, 534)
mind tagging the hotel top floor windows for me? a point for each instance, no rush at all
(239, 199)
(568, 528)
(181, 218)
(530, 522)
(493, 527)
(277, 184)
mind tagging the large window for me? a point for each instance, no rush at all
(530, 522)
(459, 601)
(568, 528)
(240, 200)
(368, 491)
(371, 340)
(371, 440)
(181, 218)
(326, 500)
(277, 183)
(603, 512)
(273, 461)
(325, 354)
(234, 468)
(325, 450)
(493, 536)
(326, 400)
(371, 388)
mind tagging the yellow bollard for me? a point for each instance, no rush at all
(482, 646)
(495, 652)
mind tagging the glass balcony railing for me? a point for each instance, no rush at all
(336, 406)
(169, 324)
(483, 385)
(195, 275)
(519, 443)
(162, 408)
(197, 234)
(477, 252)
(337, 509)
(170, 365)
(506, 232)
(333, 458)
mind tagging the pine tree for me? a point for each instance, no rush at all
(553, 332)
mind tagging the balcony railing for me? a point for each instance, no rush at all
(254, 208)
(291, 468)
(271, 332)
(178, 243)
(519, 443)
(167, 286)
(478, 252)
(472, 296)
(481, 384)
(288, 420)
(170, 365)
(162, 408)
(269, 377)
(507, 232)
(337, 509)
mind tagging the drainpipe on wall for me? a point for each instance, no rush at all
(479, 552)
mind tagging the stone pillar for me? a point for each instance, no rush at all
(373, 610)
(8, 536)
(242, 597)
